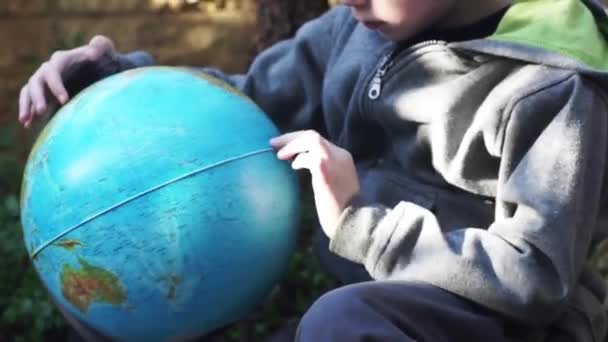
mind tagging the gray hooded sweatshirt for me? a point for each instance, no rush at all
(482, 163)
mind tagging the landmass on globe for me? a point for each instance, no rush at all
(90, 284)
(69, 244)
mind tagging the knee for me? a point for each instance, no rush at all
(330, 317)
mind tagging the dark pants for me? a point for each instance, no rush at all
(389, 310)
(396, 311)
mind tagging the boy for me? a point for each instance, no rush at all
(457, 151)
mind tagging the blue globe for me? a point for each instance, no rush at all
(153, 207)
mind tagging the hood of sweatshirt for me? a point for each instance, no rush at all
(570, 34)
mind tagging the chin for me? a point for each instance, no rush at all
(390, 35)
(397, 35)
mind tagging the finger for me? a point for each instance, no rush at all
(102, 42)
(24, 105)
(98, 46)
(305, 160)
(315, 164)
(55, 84)
(30, 119)
(63, 59)
(36, 91)
(284, 139)
(307, 142)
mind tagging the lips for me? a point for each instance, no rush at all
(372, 25)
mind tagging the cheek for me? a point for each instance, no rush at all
(408, 17)
(409, 12)
(392, 12)
(400, 12)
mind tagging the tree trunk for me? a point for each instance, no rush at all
(280, 19)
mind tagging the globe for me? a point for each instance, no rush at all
(153, 207)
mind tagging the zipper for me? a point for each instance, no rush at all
(376, 85)
(387, 61)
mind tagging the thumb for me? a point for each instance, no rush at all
(98, 46)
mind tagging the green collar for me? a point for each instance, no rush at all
(566, 27)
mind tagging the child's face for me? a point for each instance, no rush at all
(398, 19)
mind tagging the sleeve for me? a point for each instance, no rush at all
(526, 264)
(286, 80)
(85, 74)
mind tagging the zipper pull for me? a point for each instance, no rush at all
(375, 88)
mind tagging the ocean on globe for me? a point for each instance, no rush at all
(154, 208)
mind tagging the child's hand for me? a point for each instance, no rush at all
(334, 177)
(47, 83)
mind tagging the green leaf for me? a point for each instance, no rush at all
(11, 204)
(8, 136)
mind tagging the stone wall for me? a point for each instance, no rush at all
(177, 32)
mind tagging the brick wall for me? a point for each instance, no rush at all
(217, 33)
(210, 32)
